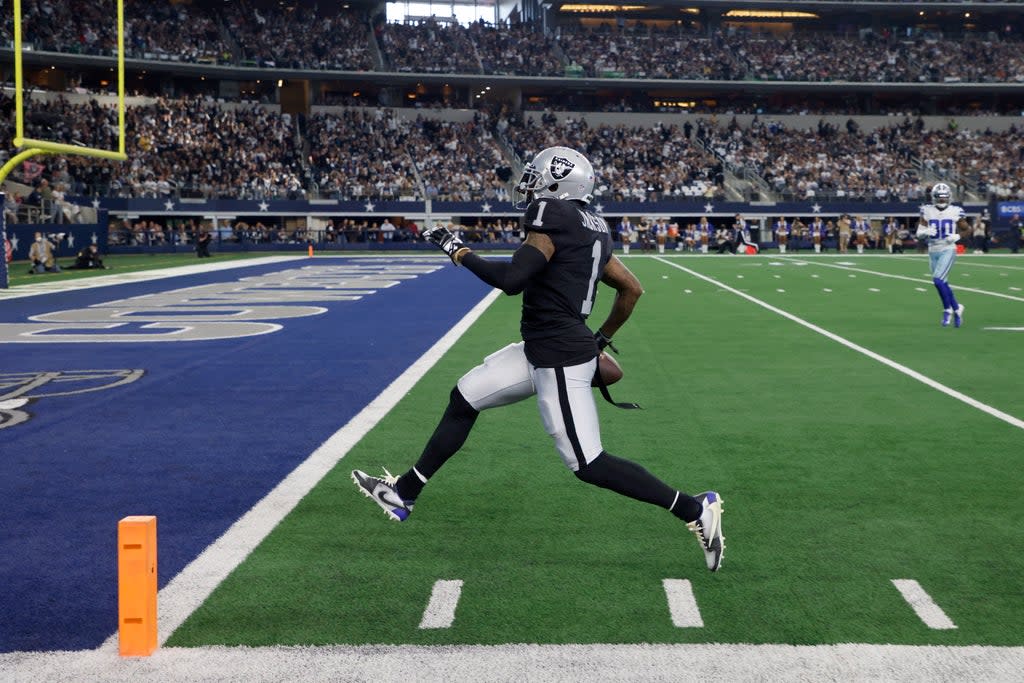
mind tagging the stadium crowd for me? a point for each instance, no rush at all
(376, 154)
(878, 58)
(886, 164)
(198, 147)
(176, 147)
(429, 47)
(241, 33)
(643, 51)
(153, 30)
(360, 154)
(309, 39)
(632, 163)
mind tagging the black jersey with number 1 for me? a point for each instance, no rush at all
(557, 301)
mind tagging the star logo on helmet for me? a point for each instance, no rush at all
(561, 167)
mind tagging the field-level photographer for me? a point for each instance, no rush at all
(42, 257)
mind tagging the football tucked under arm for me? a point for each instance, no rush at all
(609, 368)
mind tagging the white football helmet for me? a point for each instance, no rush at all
(557, 172)
(941, 195)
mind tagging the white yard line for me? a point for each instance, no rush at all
(923, 605)
(953, 393)
(444, 598)
(958, 287)
(975, 264)
(190, 588)
(682, 606)
(526, 662)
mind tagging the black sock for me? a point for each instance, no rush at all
(447, 439)
(630, 479)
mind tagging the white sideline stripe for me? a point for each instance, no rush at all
(681, 604)
(444, 598)
(959, 288)
(926, 609)
(190, 588)
(21, 291)
(526, 662)
(913, 374)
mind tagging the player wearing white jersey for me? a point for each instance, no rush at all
(942, 224)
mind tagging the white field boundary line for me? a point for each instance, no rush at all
(959, 287)
(913, 374)
(61, 286)
(190, 588)
(527, 662)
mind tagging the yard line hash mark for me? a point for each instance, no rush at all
(681, 604)
(444, 598)
(913, 374)
(912, 279)
(922, 603)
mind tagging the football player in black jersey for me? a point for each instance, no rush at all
(567, 250)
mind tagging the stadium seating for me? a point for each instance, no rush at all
(191, 146)
(244, 34)
(202, 148)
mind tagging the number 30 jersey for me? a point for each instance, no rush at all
(944, 222)
(557, 301)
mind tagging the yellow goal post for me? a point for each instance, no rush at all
(29, 147)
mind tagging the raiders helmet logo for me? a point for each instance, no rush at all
(561, 167)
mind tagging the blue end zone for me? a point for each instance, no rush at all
(207, 431)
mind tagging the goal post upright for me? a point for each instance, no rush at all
(49, 147)
(30, 147)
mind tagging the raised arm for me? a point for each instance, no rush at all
(510, 277)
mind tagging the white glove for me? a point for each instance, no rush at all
(925, 231)
(953, 238)
(443, 238)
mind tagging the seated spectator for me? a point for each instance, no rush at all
(65, 211)
(11, 201)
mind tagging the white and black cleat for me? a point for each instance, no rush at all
(708, 528)
(383, 492)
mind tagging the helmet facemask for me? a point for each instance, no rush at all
(527, 185)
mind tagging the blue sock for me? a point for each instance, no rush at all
(943, 290)
(951, 297)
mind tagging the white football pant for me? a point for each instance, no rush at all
(564, 396)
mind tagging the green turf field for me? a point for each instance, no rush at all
(840, 473)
